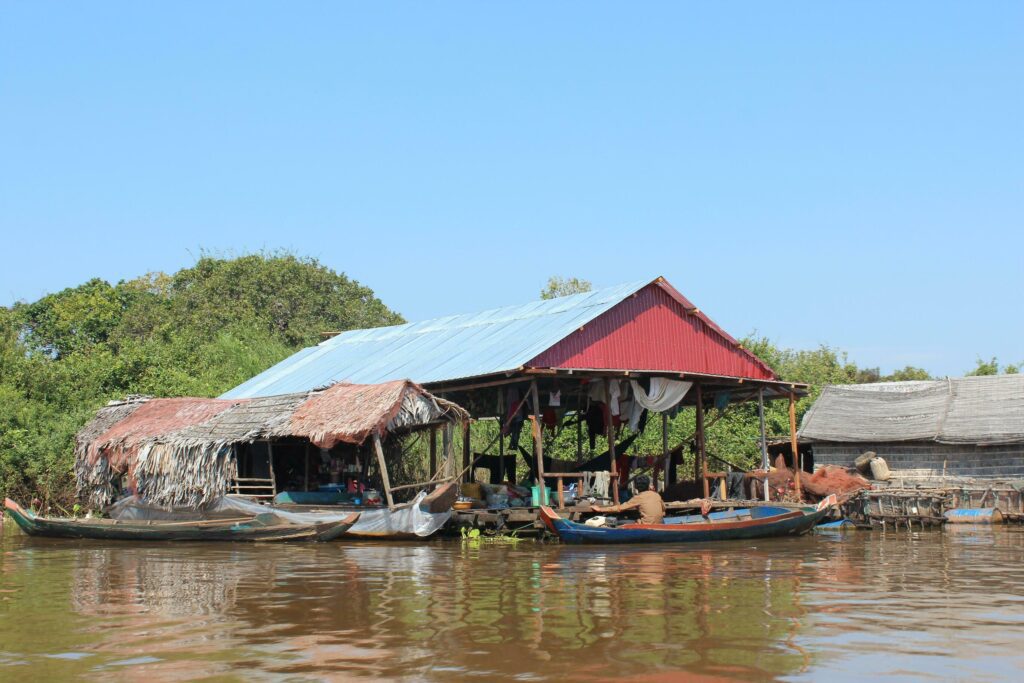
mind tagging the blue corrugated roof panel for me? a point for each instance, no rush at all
(438, 350)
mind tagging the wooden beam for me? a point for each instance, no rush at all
(538, 443)
(383, 469)
(476, 385)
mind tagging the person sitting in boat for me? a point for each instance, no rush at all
(647, 501)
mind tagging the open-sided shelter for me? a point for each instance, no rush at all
(642, 344)
(191, 451)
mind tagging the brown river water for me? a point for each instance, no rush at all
(920, 605)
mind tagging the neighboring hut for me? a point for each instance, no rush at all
(928, 432)
(603, 359)
(191, 451)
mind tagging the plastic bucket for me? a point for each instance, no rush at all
(535, 495)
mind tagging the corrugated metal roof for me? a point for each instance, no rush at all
(656, 330)
(443, 349)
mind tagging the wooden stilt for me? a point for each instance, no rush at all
(433, 452)
(383, 470)
(501, 437)
(794, 446)
(664, 448)
(610, 434)
(764, 441)
(270, 462)
(466, 455)
(701, 451)
(538, 443)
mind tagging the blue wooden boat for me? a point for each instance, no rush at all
(755, 522)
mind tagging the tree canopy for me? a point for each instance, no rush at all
(196, 332)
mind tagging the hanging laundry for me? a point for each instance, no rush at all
(664, 393)
(614, 392)
(555, 398)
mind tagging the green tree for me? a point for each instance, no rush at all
(196, 332)
(559, 286)
(992, 367)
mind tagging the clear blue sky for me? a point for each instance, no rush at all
(849, 174)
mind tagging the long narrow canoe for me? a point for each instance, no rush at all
(265, 527)
(756, 522)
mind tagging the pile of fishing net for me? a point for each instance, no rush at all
(833, 479)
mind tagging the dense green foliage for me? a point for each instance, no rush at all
(197, 332)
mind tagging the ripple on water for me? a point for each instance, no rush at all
(896, 605)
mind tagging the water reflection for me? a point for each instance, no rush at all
(792, 608)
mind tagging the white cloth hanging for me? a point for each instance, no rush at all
(664, 395)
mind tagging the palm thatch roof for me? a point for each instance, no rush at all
(178, 451)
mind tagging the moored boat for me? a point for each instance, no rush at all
(750, 523)
(266, 527)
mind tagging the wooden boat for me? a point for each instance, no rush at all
(755, 522)
(265, 527)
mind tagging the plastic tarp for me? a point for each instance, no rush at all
(973, 410)
(406, 520)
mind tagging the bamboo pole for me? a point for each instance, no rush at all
(793, 444)
(383, 469)
(538, 443)
(764, 441)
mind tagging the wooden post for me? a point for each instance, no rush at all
(561, 494)
(466, 457)
(701, 453)
(383, 469)
(764, 441)
(793, 444)
(610, 435)
(501, 437)
(433, 452)
(306, 468)
(579, 433)
(664, 448)
(538, 443)
(270, 462)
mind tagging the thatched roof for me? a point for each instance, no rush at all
(177, 450)
(970, 410)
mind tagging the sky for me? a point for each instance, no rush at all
(849, 174)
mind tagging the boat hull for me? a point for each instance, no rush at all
(784, 523)
(253, 529)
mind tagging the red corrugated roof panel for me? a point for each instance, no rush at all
(656, 329)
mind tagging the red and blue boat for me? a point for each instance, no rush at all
(742, 524)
